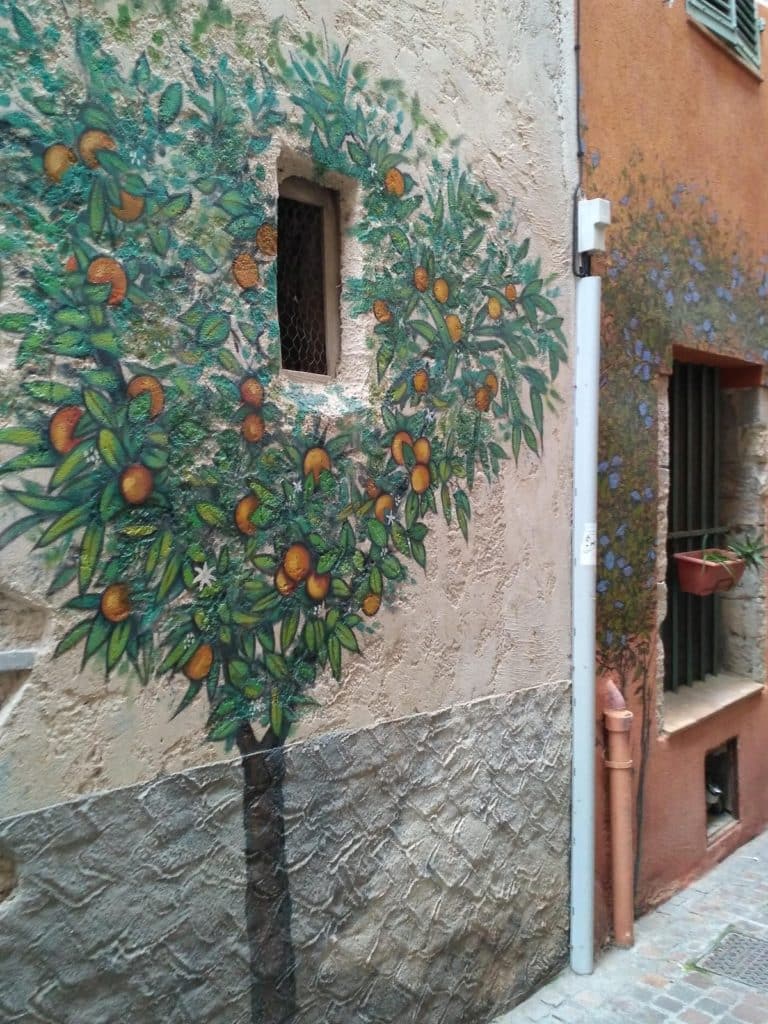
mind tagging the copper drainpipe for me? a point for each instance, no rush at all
(618, 760)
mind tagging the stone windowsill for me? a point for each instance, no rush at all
(692, 704)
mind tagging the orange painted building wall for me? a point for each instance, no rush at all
(673, 129)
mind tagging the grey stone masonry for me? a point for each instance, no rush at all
(427, 865)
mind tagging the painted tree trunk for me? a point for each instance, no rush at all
(267, 898)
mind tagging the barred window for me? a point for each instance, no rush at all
(308, 277)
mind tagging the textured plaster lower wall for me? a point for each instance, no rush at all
(489, 617)
(428, 863)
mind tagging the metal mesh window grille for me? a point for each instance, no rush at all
(690, 631)
(736, 22)
(301, 286)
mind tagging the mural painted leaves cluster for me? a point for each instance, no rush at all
(203, 521)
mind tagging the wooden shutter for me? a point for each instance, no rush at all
(734, 21)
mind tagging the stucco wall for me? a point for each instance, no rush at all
(673, 147)
(427, 859)
(490, 615)
(424, 852)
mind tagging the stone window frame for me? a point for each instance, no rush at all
(744, 387)
(301, 189)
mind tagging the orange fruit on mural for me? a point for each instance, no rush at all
(253, 427)
(440, 289)
(199, 665)
(385, 503)
(283, 583)
(382, 311)
(394, 182)
(372, 489)
(492, 383)
(494, 308)
(422, 450)
(106, 270)
(401, 437)
(131, 207)
(371, 604)
(57, 160)
(453, 324)
(297, 562)
(136, 484)
(146, 383)
(510, 292)
(115, 603)
(318, 585)
(90, 142)
(252, 392)
(483, 399)
(61, 428)
(315, 461)
(421, 382)
(245, 270)
(266, 239)
(244, 509)
(421, 279)
(420, 478)
(70, 264)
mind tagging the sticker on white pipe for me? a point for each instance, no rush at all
(588, 547)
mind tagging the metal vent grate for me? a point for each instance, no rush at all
(300, 286)
(740, 957)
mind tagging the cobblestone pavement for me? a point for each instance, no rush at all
(657, 981)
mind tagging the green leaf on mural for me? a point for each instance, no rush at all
(377, 532)
(90, 551)
(214, 329)
(276, 665)
(192, 691)
(16, 529)
(346, 637)
(244, 227)
(210, 514)
(170, 575)
(177, 205)
(111, 450)
(391, 568)
(334, 656)
(98, 406)
(118, 641)
(23, 27)
(72, 637)
(160, 238)
(141, 73)
(20, 436)
(97, 213)
(288, 629)
(63, 525)
(169, 106)
(419, 553)
(16, 323)
(340, 588)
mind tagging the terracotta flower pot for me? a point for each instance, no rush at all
(709, 571)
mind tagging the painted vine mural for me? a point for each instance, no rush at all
(203, 518)
(675, 274)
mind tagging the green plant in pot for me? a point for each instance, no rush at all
(715, 570)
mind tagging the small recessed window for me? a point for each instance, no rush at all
(308, 277)
(734, 22)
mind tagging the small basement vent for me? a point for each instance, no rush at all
(739, 957)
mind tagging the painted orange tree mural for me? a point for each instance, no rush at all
(199, 519)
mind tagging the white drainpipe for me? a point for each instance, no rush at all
(594, 215)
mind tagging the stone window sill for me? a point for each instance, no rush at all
(17, 661)
(692, 704)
